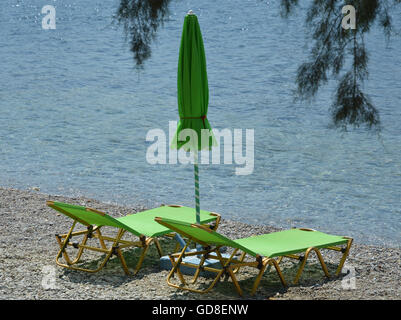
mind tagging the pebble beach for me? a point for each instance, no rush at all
(28, 249)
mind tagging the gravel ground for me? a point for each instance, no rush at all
(28, 249)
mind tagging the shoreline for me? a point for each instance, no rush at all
(28, 247)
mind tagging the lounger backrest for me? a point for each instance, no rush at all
(200, 234)
(88, 216)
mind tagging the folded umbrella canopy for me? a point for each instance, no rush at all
(194, 132)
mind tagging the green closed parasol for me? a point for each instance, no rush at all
(194, 132)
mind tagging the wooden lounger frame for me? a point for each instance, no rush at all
(230, 266)
(117, 244)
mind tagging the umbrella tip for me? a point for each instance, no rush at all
(190, 12)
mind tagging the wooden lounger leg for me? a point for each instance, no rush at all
(88, 234)
(114, 249)
(276, 266)
(199, 268)
(241, 259)
(301, 268)
(146, 244)
(258, 278)
(63, 245)
(176, 267)
(265, 263)
(180, 276)
(319, 255)
(122, 260)
(80, 250)
(177, 263)
(109, 252)
(230, 269)
(205, 256)
(158, 247)
(234, 279)
(101, 241)
(63, 252)
(344, 257)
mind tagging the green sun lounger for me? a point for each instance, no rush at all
(293, 243)
(140, 224)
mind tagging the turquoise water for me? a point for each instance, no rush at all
(75, 113)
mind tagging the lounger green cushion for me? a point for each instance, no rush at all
(268, 245)
(84, 216)
(145, 221)
(141, 223)
(288, 242)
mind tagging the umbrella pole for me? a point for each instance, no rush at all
(197, 201)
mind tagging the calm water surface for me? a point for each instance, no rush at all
(74, 115)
